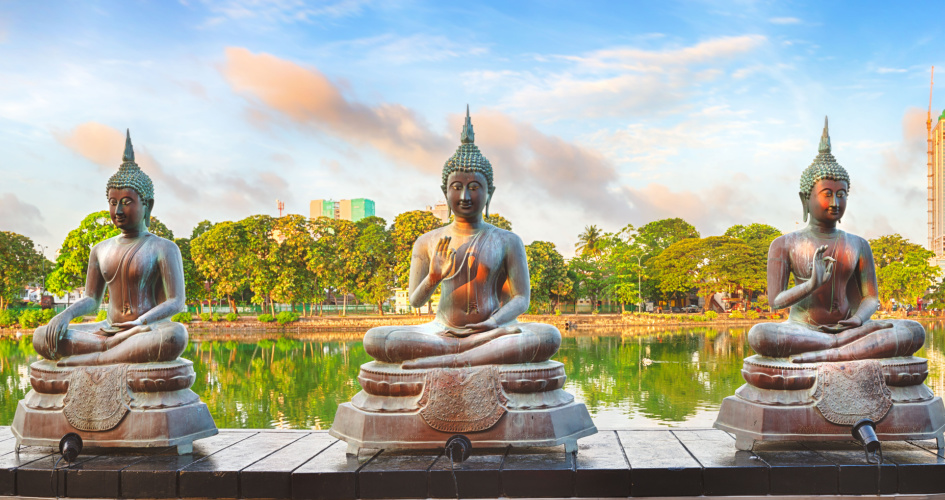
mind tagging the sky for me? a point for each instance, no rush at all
(605, 113)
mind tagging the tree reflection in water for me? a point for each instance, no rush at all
(672, 377)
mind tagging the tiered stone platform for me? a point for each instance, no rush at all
(781, 402)
(312, 464)
(526, 406)
(149, 405)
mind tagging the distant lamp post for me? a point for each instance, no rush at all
(42, 253)
(640, 282)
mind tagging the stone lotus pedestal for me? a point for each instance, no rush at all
(494, 406)
(125, 405)
(785, 401)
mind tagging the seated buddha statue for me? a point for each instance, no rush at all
(474, 369)
(119, 383)
(829, 366)
(144, 276)
(835, 291)
(483, 273)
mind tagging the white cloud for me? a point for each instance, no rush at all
(20, 217)
(890, 70)
(618, 81)
(784, 20)
(280, 11)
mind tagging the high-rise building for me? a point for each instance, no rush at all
(440, 211)
(353, 210)
(937, 189)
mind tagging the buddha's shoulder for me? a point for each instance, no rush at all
(432, 236)
(504, 235)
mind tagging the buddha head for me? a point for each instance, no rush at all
(469, 164)
(130, 180)
(824, 184)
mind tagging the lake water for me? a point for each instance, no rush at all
(640, 378)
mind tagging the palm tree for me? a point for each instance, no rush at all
(589, 242)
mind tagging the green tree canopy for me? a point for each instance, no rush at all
(903, 271)
(759, 238)
(589, 242)
(220, 255)
(291, 241)
(19, 264)
(201, 227)
(652, 239)
(714, 264)
(375, 251)
(547, 271)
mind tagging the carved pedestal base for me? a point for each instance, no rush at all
(116, 406)
(751, 422)
(784, 401)
(494, 406)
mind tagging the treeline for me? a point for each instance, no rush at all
(296, 260)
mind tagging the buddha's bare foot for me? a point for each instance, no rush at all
(89, 359)
(818, 356)
(445, 361)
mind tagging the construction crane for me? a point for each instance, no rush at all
(933, 245)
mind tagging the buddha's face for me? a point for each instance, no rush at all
(127, 209)
(467, 194)
(828, 201)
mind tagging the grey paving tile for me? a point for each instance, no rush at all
(156, 476)
(217, 475)
(601, 469)
(271, 477)
(726, 471)
(331, 475)
(477, 477)
(538, 472)
(796, 470)
(660, 464)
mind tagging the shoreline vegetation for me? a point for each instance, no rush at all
(353, 327)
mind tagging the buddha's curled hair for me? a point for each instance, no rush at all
(130, 176)
(824, 166)
(467, 158)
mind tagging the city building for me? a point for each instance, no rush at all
(402, 303)
(937, 190)
(441, 211)
(353, 210)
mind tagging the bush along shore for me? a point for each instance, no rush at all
(285, 322)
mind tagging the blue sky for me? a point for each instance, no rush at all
(591, 113)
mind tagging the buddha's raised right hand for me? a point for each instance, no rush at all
(821, 268)
(443, 259)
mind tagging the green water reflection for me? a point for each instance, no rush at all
(674, 377)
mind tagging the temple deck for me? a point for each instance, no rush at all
(311, 464)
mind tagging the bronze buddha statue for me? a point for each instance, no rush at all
(119, 382)
(474, 369)
(144, 275)
(484, 277)
(835, 291)
(830, 365)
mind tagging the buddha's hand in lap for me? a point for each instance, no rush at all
(55, 330)
(130, 328)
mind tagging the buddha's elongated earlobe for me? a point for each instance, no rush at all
(804, 206)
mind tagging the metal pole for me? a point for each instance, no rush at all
(640, 283)
(42, 250)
